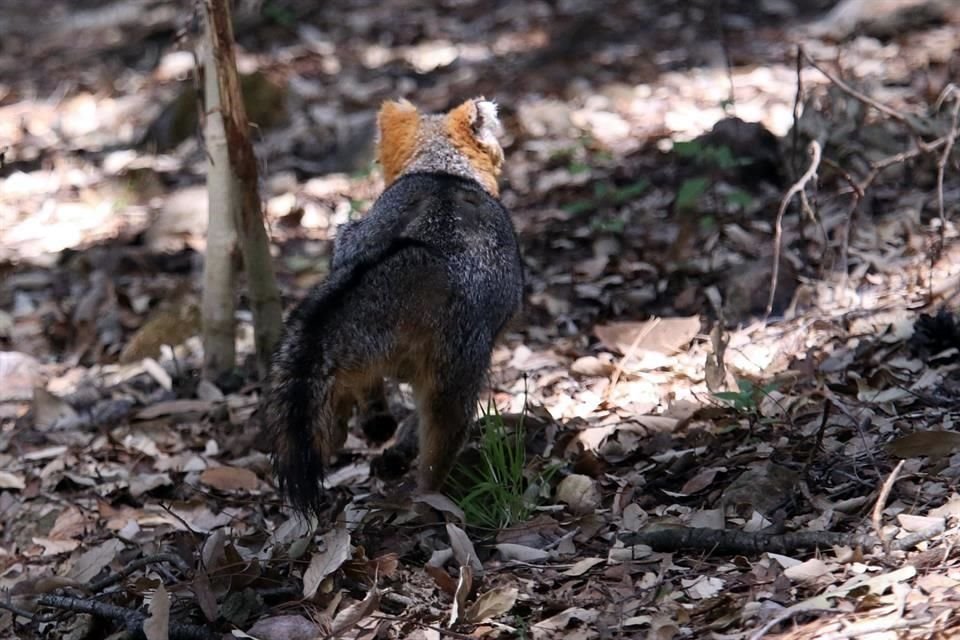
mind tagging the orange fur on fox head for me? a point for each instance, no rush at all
(462, 141)
(399, 124)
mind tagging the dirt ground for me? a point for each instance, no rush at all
(737, 370)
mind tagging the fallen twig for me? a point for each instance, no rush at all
(882, 501)
(732, 542)
(130, 567)
(911, 123)
(728, 542)
(782, 617)
(813, 149)
(949, 92)
(618, 371)
(132, 620)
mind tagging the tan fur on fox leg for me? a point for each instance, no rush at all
(373, 413)
(444, 425)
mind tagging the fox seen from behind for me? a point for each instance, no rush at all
(419, 290)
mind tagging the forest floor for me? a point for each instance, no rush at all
(705, 458)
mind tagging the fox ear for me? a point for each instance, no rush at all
(398, 124)
(480, 115)
(475, 125)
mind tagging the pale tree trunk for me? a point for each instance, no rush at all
(254, 243)
(219, 272)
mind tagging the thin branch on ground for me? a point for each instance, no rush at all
(798, 97)
(728, 542)
(951, 91)
(618, 371)
(917, 126)
(130, 567)
(813, 149)
(911, 540)
(881, 503)
(911, 123)
(731, 542)
(132, 620)
(782, 617)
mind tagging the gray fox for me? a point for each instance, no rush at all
(419, 290)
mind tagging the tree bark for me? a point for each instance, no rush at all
(254, 243)
(219, 265)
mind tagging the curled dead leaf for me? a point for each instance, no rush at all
(491, 604)
(580, 493)
(663, 335)
(336, 551)
(933, 444)
(157, 624)
(230, 479)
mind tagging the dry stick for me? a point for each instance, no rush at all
(864, 98)
(881, 502)
(782, 617)
(813, 149)
(922, 147)
(132, 620)
(795, 133)
(132, 566)
(911, 540)
(732, 542)
(950, 91)
(643, 333)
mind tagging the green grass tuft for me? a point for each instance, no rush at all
(495, 493)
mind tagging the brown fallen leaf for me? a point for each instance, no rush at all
(442, 579)
(284, 628)
(701, 481)
(668, 335)
(336, 551)
(170, 325)
(580, 493)
(230, 479)
(353, 614)
(555, 626)
(12, 480)
(464, 586)
(580, 567)
(491, 604)
(205, 596)
(157, 624)
(174, 407)
(48, 409)
(933, 444)
(384, 566)
(88, 564)
(463, 549)
(19, 374)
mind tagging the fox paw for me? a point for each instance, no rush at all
(391, 464)
(379, 427)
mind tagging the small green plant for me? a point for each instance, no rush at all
(495, 493)
(689, 192)
(608, 225)
(714, 158)
(606, 195)
(279, 14)
(739, 198)
(747, 398)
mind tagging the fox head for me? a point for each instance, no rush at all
(462, 141)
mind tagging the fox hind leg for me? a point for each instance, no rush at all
(446, 406)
